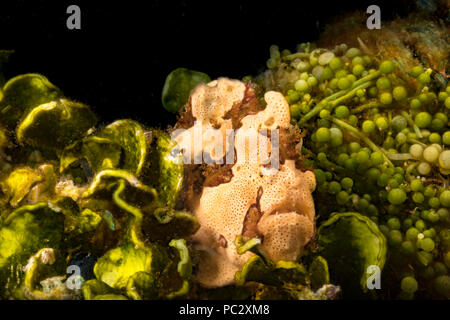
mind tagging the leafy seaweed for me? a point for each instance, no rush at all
(130, 136)
(166, 170)
(119, 264)
(101, 153)
(55, 124)
(184, 267)
(95, 202)
(24, 92)
(24, 232)
(318, 272)
(42, 266)
(97, 290)
(142, 286)
(267, 272)
(17, 185)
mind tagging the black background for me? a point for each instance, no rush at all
(118, 61)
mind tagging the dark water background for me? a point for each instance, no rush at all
(118, 61)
